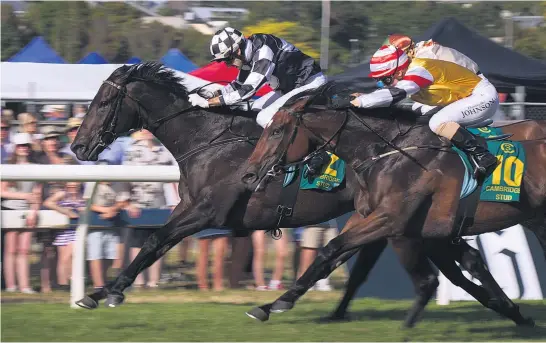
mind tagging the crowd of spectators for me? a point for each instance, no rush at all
(46, 139)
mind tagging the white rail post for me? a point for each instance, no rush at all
(77, 284)
(442, 293)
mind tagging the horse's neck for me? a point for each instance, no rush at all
(195, 129)
(358, 143)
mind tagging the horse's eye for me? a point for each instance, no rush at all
(103, 103)
(276, 132)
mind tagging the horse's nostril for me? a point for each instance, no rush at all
(250, 178)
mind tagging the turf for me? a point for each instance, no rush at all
(194, 316)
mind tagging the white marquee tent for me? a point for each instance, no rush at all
(62, 82)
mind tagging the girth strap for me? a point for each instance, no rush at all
(466, 211)
(285, 209)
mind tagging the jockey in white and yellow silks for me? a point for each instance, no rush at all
(468, 99)
(432, 50)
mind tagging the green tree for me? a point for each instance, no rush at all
(11, 36)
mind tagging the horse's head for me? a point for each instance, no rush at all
(288, 138)
(126, 102)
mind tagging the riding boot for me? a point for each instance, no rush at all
(317, 163)
(476, 148)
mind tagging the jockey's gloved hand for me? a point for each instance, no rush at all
(317, 163)
(340, 101)
(197, 100)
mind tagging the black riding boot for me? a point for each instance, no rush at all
(317, 163)
(476, 149)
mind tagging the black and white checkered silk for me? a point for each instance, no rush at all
(272, 60)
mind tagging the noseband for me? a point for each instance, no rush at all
(109, 135)
(280, 167)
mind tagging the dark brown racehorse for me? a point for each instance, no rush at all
(211, 147)
(441, 253)
(405, 194)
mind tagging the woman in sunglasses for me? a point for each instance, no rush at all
(467, 98)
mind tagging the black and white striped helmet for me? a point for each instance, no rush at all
(225, 42)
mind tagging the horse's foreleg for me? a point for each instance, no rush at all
(183, 223)
(367, 257)
(357, 232)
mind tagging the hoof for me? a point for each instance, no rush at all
(280, 306)
(88, 303)
(114, 300)
(260, 313)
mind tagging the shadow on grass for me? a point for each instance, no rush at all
(471, 313)
(508, 332)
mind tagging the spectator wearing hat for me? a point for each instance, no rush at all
(29, 124)
(51, 155)
(71, 131)
(6, 144)
(51, 147)
(21, 195)
(54, 112)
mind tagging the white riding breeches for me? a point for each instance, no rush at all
(271, 102)
(474, 109)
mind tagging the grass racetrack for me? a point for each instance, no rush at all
(206, 316)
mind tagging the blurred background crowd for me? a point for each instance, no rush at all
(109, 249)
(178, 33)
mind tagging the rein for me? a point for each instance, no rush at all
(108, 136)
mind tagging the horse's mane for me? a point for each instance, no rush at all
(153, 72)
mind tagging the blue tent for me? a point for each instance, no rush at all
(93, 58)
(133, 60)
(37, 51)
(175, 59)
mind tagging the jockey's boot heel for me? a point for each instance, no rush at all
(476, 148)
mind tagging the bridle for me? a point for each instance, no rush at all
(108, 135)
(280, 167)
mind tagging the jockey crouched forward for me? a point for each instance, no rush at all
(432, 50)
(468, 98)
(261, 59)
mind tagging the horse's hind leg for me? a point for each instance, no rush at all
(490, 295)
(367, 257)
(411, 254)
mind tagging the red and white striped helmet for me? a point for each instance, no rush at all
(387, 60)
